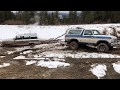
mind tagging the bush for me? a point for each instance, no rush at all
(14, 22)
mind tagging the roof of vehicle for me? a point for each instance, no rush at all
(74, 29)
(28, 34)
(79, 29)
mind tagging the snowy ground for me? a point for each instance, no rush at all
(99, 70)
(46, 54)
(4, 65)
(48, 32)
(54, 56)
(55, 61)
(62, 55)
(82, 63)
(116, 66)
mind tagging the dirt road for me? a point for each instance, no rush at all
(79, 68)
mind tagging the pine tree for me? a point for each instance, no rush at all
(25, 16)
(87, 17)
(56, 18)
(44, 18)
(6, 15)
(71, 17)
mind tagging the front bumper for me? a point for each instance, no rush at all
(116, 44)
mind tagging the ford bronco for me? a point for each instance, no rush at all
(76, 37)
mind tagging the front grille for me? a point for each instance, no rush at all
(116, 41)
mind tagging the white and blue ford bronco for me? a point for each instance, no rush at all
(76, 37)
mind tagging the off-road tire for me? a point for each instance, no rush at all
(102, 47)
(1, 44)
(74, 45)
(31, 44)
(111, 48)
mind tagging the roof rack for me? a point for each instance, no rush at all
(79, 28)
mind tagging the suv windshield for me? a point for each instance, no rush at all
(96, 32)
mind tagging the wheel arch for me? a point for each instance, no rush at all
(73, 40)
(103, 41)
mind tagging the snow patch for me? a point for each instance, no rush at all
(52, 64)
(95, 55)
(30, 62)
(23, 57)
(10, 52)
(26, 52)
(116, 66)
(20, 57)
(22, 48)
(46, 46)
(99, 70)
(4, 65)
(41, 46)
(37, 56)
(55, 55)
(2, 56)
(63, 54)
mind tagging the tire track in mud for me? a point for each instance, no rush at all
(80, 68)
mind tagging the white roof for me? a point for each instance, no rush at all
(28, 34)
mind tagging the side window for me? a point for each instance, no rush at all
(26, 37)
(95, 32)
(19, 37)
(88, 32)
(75, 32)
(33, 37)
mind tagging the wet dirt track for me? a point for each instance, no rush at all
(78, 69)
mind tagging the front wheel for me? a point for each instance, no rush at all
(74, 45)
(31, 44)
(102, 47)
(111, 48)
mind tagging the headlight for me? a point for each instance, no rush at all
(114, 41)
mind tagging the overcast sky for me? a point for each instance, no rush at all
(65, 11)
(52, 11)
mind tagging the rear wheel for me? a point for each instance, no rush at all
(7, 45)
(1, 44)
(74, 45)
(102, 47)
